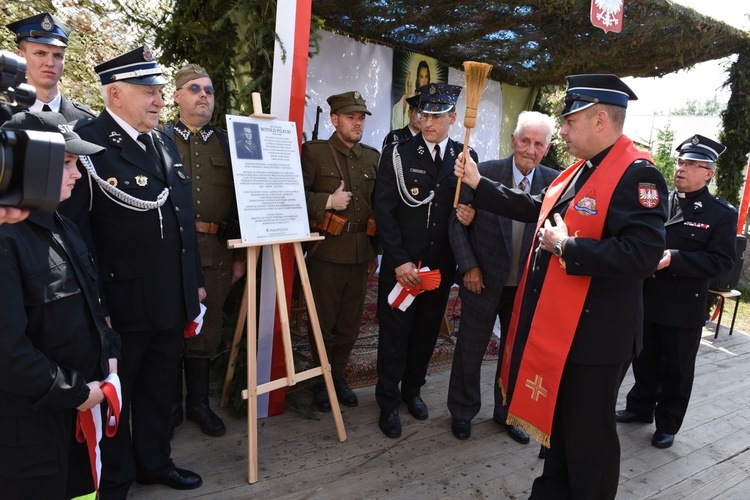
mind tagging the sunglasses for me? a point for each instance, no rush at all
(194, 88)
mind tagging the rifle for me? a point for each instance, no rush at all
(317, 121)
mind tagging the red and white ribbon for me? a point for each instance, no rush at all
(89, 424)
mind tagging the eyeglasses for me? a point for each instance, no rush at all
(690, 163)
(425, 117)
(194, 88)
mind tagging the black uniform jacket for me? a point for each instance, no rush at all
(53, 332)
(397, 135)
(488, 242)
(150, 281)
(73, 111)
(610, 328)
(409, 234)
(702, 241)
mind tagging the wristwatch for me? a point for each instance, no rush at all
(558, 248)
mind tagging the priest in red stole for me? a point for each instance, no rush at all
(578, 317)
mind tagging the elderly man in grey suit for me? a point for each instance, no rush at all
(491, 255)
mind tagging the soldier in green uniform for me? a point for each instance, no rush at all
(205, 154)
(339, 175)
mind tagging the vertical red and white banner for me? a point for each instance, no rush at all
(287, 103)
(745, 201)
(607, 14)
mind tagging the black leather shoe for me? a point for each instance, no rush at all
(461, 428)
(179, 479)
(516, 433)
(542, 452)
(627, 417)
(390, 423)
(345, 395)
(320, 398)
(417, 408)
(662, 439)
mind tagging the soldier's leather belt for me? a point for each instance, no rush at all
(355, 227)
(206, 227)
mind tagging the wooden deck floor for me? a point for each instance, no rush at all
(301, 458)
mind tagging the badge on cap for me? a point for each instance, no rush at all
(141, 180)
(432, 90)
(147, 54)
(357, 95)
(695, 141)
(47, 24)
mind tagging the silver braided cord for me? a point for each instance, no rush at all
(124, 199)
(403, 191)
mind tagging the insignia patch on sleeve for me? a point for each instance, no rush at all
(648, 195)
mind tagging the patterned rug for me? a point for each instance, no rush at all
(361, 370)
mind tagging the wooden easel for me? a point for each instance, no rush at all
(248, 314)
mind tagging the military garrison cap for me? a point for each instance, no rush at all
(586, 90)
(438, 97)
(41, 28)
(347, 103)
(700, 148)
(137, 66)
(188, 73)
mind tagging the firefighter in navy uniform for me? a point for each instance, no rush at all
(144, 235)
(42, 40)
(411, 129)
(413, 200)
(701, 233)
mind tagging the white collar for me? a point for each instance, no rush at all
(442, 144)
(54, 104)
(132, 132)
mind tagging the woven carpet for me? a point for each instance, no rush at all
(361, 370)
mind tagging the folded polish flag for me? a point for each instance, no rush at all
(89, 424)
(402, 297)
(194, 327)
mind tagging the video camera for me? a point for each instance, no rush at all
(31, 162)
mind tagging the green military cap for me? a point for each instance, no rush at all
(347, 103)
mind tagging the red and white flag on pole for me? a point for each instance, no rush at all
(287, 103)
(607, 14)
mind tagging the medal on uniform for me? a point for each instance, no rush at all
(112, 181)
(414, 191)
(141, 180)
